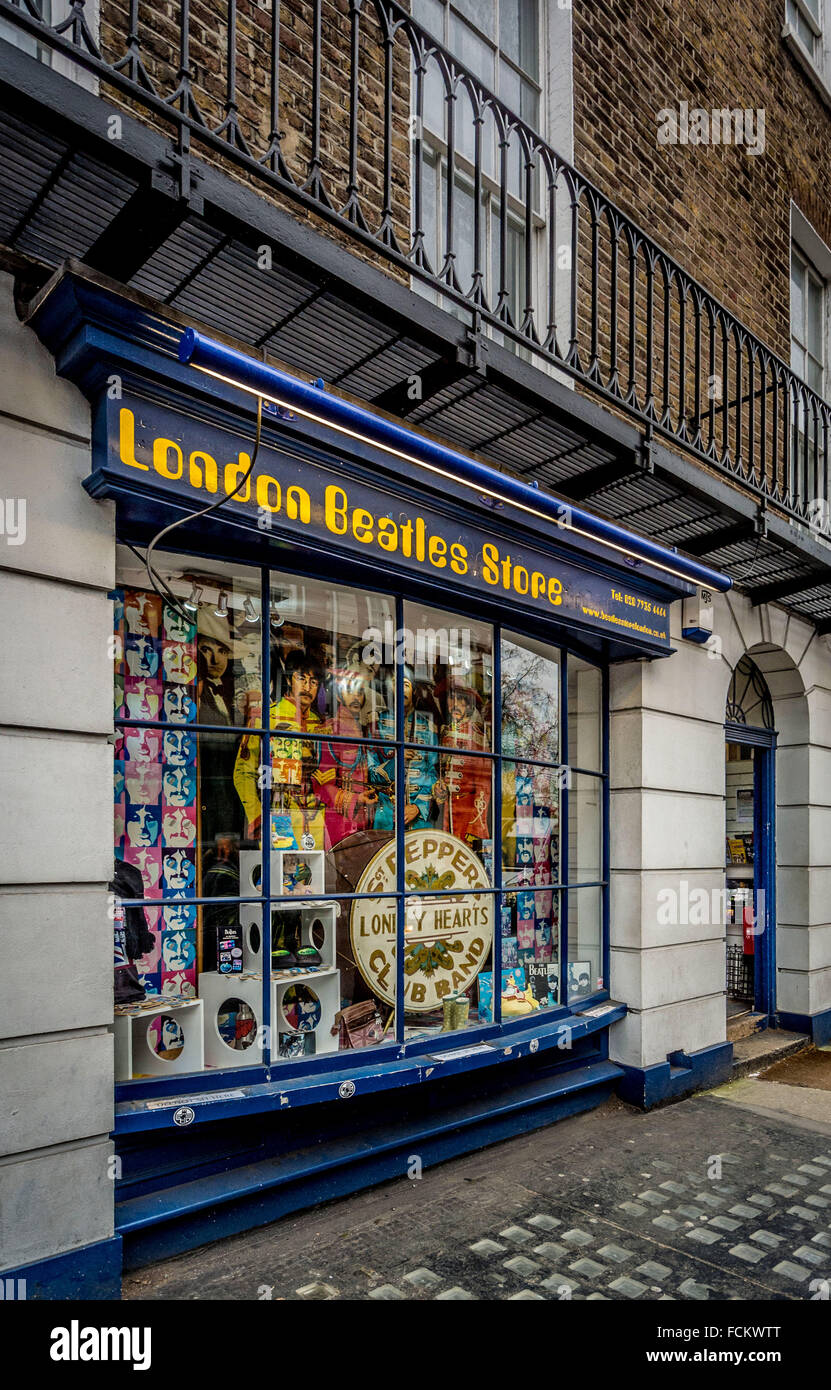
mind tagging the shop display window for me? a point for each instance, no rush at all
(585, 944)
(273, 850)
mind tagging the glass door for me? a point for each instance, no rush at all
(750, 881)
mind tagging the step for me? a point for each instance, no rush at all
(760, 1050)
(154, 1225)
(744, 1025)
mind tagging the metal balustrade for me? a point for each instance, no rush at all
(355, 112)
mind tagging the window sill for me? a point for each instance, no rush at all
(375, 1073)
(797, 49)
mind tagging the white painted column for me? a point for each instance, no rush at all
(667, 846)
(56, 1059)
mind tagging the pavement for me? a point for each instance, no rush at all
(726, 1195)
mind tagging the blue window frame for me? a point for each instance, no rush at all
(569, 881)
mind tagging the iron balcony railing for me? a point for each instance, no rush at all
(351, 109)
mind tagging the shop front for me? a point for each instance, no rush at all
(361, 838)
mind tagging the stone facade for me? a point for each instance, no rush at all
(56, 1050)
(722, 213)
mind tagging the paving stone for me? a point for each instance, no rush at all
(760, 1200)
(742, 1209)
(544, 1222)
(821, 1158)
(423, 1279)
(813, 1257)
(779, 1189)
(588, 1269)
(655, 1199)
(387, 1293)
(788, 1270)
(767, 1238)
(709, 1199)
(455, 1295)
(630, 1288)
(811, 1168)
(558, 1283)
(691, 1289)
(652, 1270)
(826, 1188)
(795, 1179)
(691, 1213)
(703, 1236)
(487, 1247)
(804, 1213)
(521, 1265)
(822, 1239)
(633, 1208)
(813, 1201)
(525, 1294)
(551, 1251)
(316, 1290)
(666, 1223)
(595, 1297)
(749, 1253)
(617, 1253)
(577, 1237)
(676, 1188)
(724, 1223)
(517, 1234)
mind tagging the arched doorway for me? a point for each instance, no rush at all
(750, 851)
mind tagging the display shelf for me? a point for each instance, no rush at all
(311, 908)
(318, 999)
(136, 1053)
(295, 873)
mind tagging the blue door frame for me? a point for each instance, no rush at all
(763, 742)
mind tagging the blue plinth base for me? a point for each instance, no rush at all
(816, 1026)
(681, 1074)
(89, 1272)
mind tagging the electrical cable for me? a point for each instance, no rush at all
(157, 584)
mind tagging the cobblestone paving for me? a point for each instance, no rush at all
(698, 1201)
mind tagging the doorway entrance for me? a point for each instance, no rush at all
(750, 854)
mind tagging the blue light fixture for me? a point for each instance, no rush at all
(314, 402)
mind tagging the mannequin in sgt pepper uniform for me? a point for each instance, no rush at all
(421, 769)
(464, 790)
(297, 814)
(342, 778)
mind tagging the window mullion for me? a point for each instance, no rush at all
(496, 858)
(399, 827)
(265, 807)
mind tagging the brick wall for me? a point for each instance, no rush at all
(159, 35)
(722, 213)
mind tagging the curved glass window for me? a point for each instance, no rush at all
(342, 819)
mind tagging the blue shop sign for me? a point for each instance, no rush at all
(163, 453)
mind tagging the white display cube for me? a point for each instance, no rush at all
(294, 872)
(312, 1016)
(139, 1032)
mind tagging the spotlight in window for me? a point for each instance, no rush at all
(195, 598)
(249, 610)
(221, 609)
